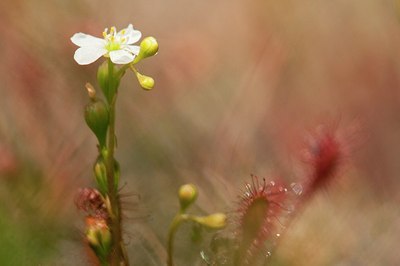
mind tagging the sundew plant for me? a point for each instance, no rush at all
(264, 207)
(204, 133)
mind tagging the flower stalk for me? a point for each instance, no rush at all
(178, 219)
(104, 230)
(117, 255)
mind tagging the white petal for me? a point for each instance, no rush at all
(133, 36)
(124, 32)
(130, 34)
(121, 57)
(87, 55)
(84, 40)
(127, 29)
(134, 49)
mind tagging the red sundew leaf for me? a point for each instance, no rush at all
(324, 156)
(326, 149)
(260, 206)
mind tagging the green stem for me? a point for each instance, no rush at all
(122, 70)
(117, 256)
(104, 263)
(111, 133)
(178, 219)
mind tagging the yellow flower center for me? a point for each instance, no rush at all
(114, 39)
(113, 45)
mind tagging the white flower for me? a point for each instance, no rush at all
(116, 45)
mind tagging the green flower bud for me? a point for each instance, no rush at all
(145, 82)
(187, 195)
(91, 236)
(107, 83)
(214, 221)
(97, 118)
(100, 173)
(108, 206)
(148, 47)
(98, 236)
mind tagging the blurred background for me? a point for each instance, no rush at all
(238, 84)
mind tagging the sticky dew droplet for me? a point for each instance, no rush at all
(205, 257)
(297, 188)
(290, 208)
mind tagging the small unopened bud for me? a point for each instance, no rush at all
(100, 173)
(108, 206)
(91, 91)
(104, 79)
(97, 117)
(98, 236)
(145, 82)
(214, 221)
(187, 195)
(148, 47)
